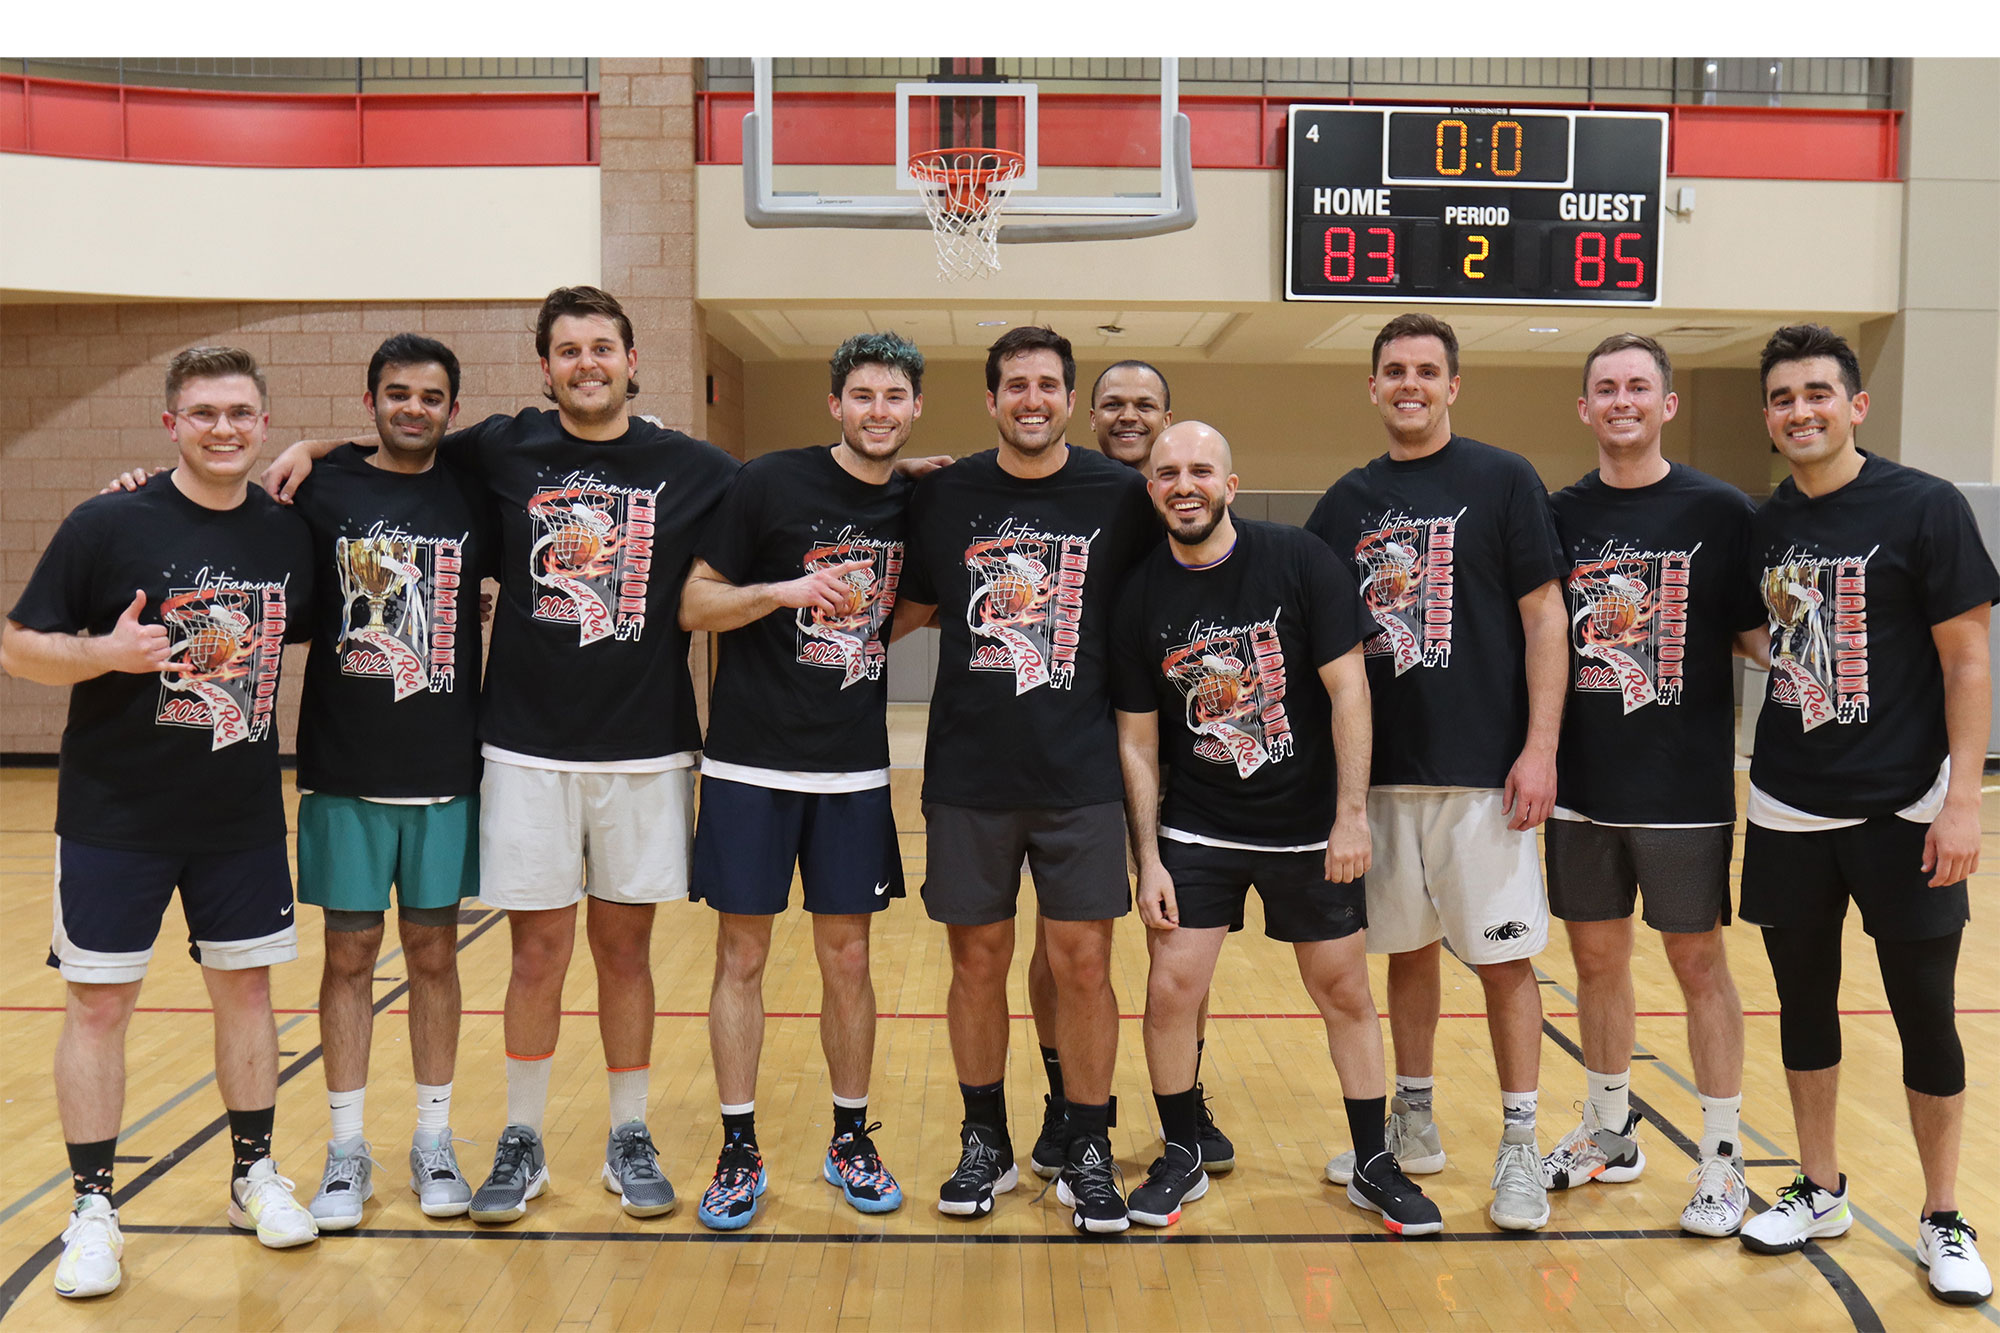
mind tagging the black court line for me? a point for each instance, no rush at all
(17, 1282)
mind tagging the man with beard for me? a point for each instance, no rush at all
(1018, 552)
(1248, 637)
(588, 726)
(798, 573)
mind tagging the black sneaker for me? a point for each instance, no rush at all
(1089, 1185)
(985, 1168)
(1381, 1187)
(1052, 1144)
(1218, 1154)
(1175, 1178)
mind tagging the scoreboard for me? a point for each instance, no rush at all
(1474, 204)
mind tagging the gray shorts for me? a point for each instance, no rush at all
(1597, 870)
(1077, 857)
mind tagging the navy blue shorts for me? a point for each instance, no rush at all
(109, 904)
(749, 838)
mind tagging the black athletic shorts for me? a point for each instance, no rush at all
(1596, 872)
(1301, 905)
(110, 903)
(1803, 879)
(1077, 856)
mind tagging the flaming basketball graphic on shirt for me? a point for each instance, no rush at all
(592, 556)
(1405, 564)
(1612, 622)
(1233, 682)
(1026, 604)
(848, 639)
(221, 669)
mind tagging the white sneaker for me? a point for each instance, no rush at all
(1520, 1198)
(1944, 1246)
(262, 1202)
(1803, 1212)
(442, 1189)
(346, 1184)
(92, 1248)
(1721, 1195)
(1591, 1152)
(1409, 1136)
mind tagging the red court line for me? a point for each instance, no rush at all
(774, 1013)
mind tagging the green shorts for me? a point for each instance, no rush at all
(351, 851)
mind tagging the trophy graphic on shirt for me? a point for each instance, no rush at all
(1800, 653)
(372, 570)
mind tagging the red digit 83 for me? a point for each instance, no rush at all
(1341, 246)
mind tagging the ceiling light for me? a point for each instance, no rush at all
(1543, 328)
(992, 323)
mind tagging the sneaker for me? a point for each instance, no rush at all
(520, 1172)
(1520, 1199)
(730, 1201)
(853, 1164)
(92, 1248)
(1411, 1138)
(441, 1188)
(632, 1172)
(1176, 1177)
(346, 1184)
(1052, 1144)
(1721, 1196)
(1381, 1187)
(1944, 1246)
(985, 1168)
(1590, 1152)
(262, 1202)
(1802, 1213)
(1218, 1154)
(1089, 1187)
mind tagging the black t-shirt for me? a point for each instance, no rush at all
(1229, 656)
(1853, 721)
(803, 690)
(1022, 573)
(1444, 547)
(391, 704)
(1656, 595)
(186, 759)
(589, 662)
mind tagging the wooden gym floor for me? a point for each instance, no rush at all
(1271, 1246)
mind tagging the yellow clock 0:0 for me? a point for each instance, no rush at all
(1465, 138)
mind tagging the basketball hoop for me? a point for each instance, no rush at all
(964, 189)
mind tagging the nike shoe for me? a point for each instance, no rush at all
(520, 1172)
(1590, 1152)
(1218, 1154)
(1721, 1196)
(262, 1202)
(441, 1188)
(632, 1172)
(1411, 1139)
(1520, 1198)
(1804, 1212)
(1051, 1148)
(1945, 1247)
(1381, 1187)
(731, 1200)
(92, 1247)
(1089, 1186)
(346, 1184)
(1177, 1177)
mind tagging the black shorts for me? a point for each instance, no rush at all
(109, 903)
(1077, 856)
(1805, 879)
(1301, 905)
(749, 838)
(1597, 870)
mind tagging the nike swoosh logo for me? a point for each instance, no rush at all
(881, 889)
(1817, 1213)
(287, 911)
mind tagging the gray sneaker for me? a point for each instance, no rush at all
(632, 1172)
(520, 1172)
(347, 1183)
(1520, 1199)
(1409, 1136)
(442, 1190)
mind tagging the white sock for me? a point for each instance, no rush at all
(434, 1107)
(850, 1103)
(528, 1089)
(346, 1109)
(1720, 1118)
(628, 1093)
(1610, 1098)
(1518, 1108)
(1416, 1092)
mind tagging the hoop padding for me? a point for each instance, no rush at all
(964, 190)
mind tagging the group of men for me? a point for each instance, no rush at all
(1364, 719)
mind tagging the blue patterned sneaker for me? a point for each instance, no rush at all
(730, 1201)
(853, 1164)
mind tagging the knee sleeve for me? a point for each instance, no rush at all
(1920, 978)
(340, 920)
(427, 916)
(1805, 962)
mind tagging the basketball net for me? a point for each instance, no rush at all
(964, 190)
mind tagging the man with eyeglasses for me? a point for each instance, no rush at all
(167, 611)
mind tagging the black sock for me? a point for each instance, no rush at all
(90, 1165)
(849, 1119)
(986, 1104)
(1199, 1043)
(1052, 1066)
(1180, 1119)
(1089, 1121)
(742, 1126)
(1364, 1126)
(250, 1138)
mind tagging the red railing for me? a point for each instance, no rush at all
(1117, 130)
(61, 118)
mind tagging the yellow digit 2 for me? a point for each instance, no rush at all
(1477, 256)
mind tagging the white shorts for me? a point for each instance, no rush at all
(1446, 865)
(545, 835)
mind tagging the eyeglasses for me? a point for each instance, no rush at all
(208, 418)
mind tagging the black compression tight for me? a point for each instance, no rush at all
(1917, 975)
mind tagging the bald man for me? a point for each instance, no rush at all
(1247, 636)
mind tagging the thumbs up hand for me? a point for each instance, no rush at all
(135, 647)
